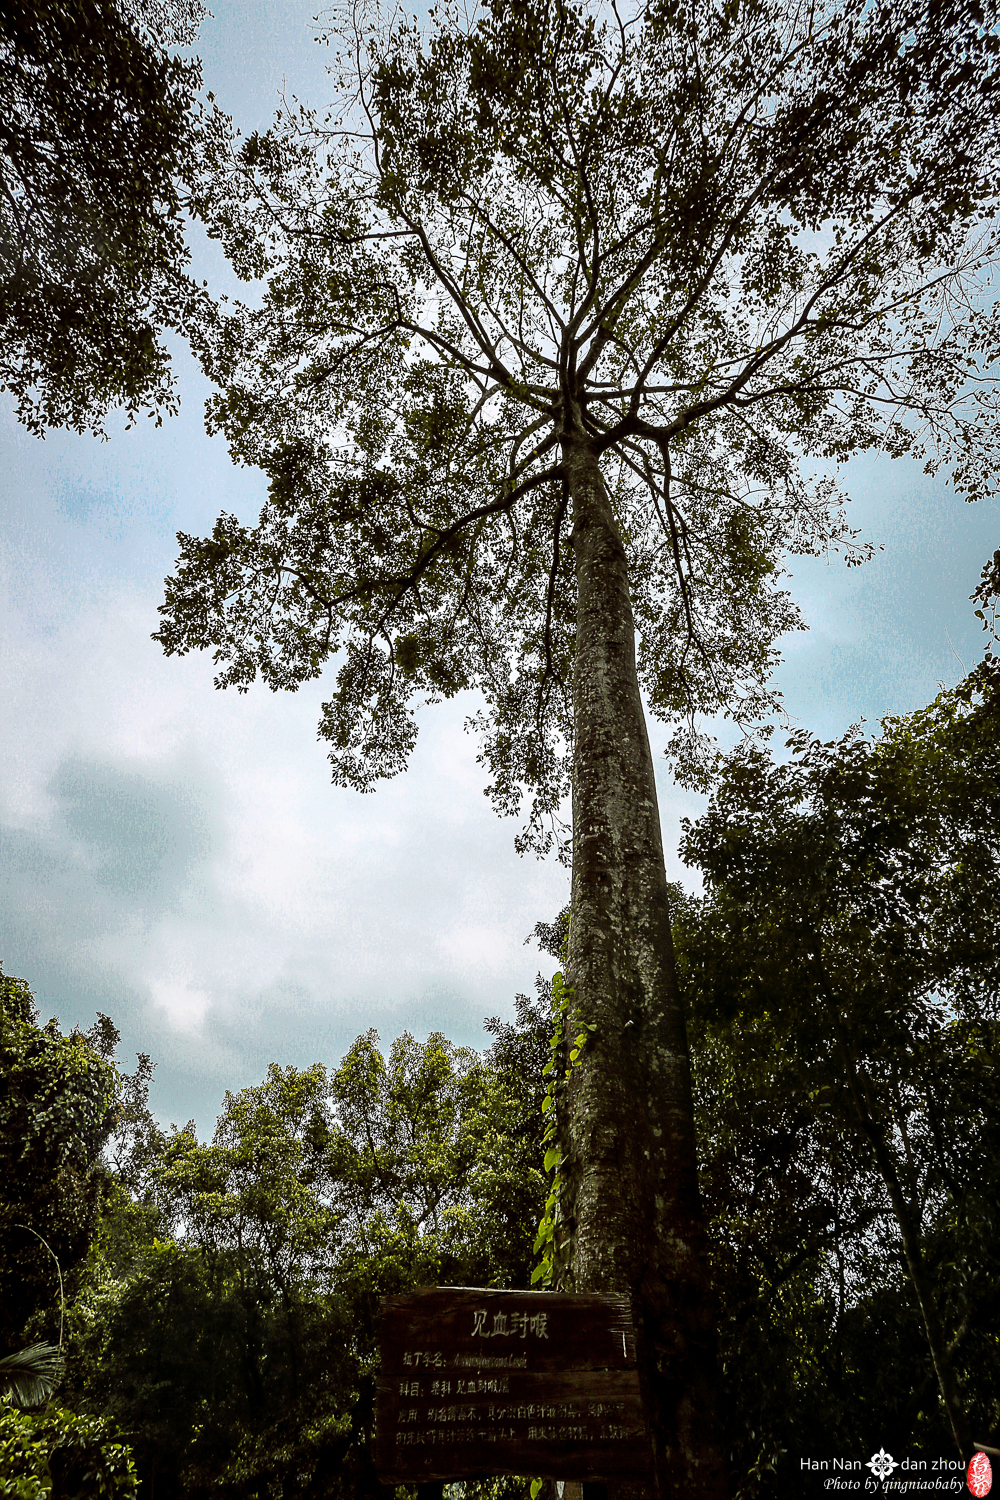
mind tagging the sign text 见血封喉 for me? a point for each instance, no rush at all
(484, 1382)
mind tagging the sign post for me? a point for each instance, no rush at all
(475, 1383)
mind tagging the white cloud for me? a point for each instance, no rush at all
(185, 1007)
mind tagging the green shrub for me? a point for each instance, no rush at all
(57, 1455)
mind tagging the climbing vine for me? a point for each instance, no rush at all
(547, 1241)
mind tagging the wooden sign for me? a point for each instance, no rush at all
(477, 1382)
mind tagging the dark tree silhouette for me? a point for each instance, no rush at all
(97, 135)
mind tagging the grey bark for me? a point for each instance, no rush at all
(630, 1202)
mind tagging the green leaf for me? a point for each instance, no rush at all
(31, 1374)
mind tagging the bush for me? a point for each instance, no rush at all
(56, 1455)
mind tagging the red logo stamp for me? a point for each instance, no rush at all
(980, 1475)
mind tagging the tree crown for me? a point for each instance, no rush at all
(714, 249)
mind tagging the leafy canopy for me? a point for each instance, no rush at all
(57, 1096)
(229, 1313)
(96, 135)
(844, 978)
(866, 870)
(715, 247)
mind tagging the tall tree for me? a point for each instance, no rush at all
(565, 313)
(96, 136)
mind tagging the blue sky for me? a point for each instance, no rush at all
(177, 857)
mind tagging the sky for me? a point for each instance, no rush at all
(177, 858)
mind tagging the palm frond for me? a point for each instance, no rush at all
(31, 1374)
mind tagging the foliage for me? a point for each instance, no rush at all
(569, 1037)
(56, 1112)
(31, 1374)
(715, 250)
(96, 135)
(844, 974)
(60, 1456)
(229, 1316)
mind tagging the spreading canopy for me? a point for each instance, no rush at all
(721, 247)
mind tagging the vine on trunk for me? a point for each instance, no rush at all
(553, 1247)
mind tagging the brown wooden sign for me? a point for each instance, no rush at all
(482, 1382)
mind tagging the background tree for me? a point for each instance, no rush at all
(229, 1318)
(824, 1349)
(96, 139)
(852, 929)
(56, 1112)
(564, 314)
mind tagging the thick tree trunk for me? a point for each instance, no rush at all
(630, 1193)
